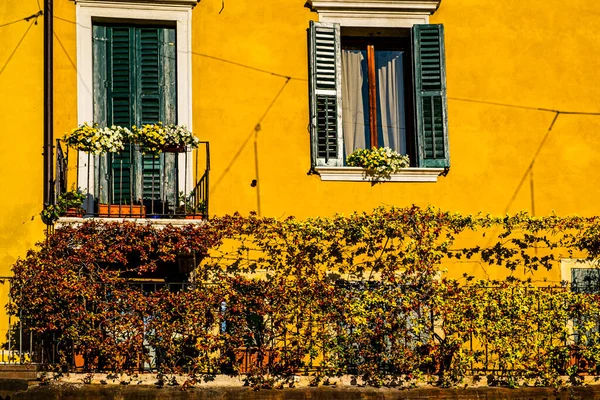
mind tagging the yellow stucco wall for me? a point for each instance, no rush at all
(21, 137)
(536, 53)
(539, 54)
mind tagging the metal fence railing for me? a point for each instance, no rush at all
(419, 325)
(135, 184)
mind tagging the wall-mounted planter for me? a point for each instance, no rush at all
(122, 210)
(74, 212)
(174, 149)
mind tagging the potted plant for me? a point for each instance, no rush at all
(379, 163)
(154, 138)
(122, 210)
(189, 207)
(70, 204)
(50, 214)
(96, 140)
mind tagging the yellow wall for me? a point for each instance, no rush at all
(21, 141)
(536, 53)
(21, 137)
(540, 54)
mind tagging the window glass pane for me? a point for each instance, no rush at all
(391, 112)
(585, 280)
(355, 100)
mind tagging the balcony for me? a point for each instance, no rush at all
(172, 184)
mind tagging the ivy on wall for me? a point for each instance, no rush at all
(360, 294)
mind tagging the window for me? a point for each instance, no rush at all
(135, 84)
(376, 78)
(165, 20)
(583, 276)
(378, 87)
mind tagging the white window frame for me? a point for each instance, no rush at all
(376, 14)
(567, 265)
(178, 11)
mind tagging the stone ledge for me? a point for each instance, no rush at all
(70, 391)
(418, 6)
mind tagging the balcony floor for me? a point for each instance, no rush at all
(157, 222)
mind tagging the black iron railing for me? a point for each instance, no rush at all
(23, 347)
(135, 184)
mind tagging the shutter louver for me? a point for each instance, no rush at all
(120, 74)
(149, 76)
(430, 96)
(325, 94)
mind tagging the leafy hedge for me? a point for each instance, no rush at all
(359, 295)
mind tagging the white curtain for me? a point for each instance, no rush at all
(390, 94)
(390, 104)
(355, 120)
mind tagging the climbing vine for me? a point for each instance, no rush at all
(366, 295)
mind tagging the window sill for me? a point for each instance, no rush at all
(355, 174)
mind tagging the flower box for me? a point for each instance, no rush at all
(74, 212)
(174, 149)
(122, 210)
(247, 358)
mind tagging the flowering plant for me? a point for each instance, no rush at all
(67, 200)
(152, 138)
(378, 162)
(188, 205)
(156, 137)
(179, 135)
(389, 319)
(96, 140)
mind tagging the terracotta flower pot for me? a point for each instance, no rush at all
(74, 212)
(122, 210)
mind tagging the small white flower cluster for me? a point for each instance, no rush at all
(378, 162)
(179, 135)
(110, 140)
(97, 140)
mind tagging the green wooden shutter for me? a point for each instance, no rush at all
(430, 96)
(121, 102)
(156, 82)
(100, 78)
(135, 84)
(325, 94)
(149, 106)
(168, 63)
